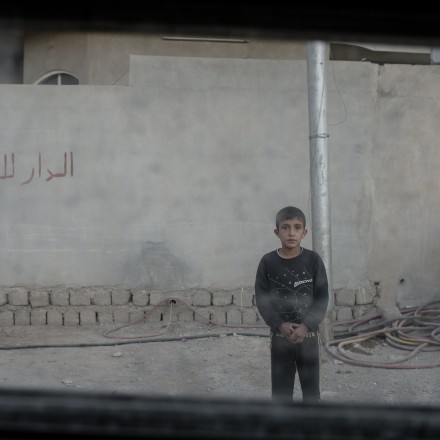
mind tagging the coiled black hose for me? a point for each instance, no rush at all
(418, 330)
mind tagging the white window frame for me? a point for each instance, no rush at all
(58, 74)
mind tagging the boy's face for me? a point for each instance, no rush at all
(291, 232)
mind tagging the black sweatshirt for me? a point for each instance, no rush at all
(292, 289)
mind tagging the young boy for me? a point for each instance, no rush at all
(291, 292)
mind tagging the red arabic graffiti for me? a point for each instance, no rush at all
(6, 175)
(9, 170)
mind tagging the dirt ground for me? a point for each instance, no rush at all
(198, 360)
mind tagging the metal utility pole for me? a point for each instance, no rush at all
(319, 167)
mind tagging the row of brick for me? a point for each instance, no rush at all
(92, 306)
(19, 296)
(354, 304)
(105, 297)
(100, 305)
(89, 316)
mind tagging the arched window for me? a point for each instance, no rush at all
(58, 78)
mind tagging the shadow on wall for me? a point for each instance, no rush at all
(156, 268)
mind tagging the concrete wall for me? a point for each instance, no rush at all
(404, 172)
(173, 181)
(99, 58)
(170, 187)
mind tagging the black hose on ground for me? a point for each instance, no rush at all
(152, 337)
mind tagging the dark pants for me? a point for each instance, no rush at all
(287, 359)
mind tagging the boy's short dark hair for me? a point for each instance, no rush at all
(289, 213)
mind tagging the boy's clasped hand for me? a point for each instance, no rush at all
(293, 332)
